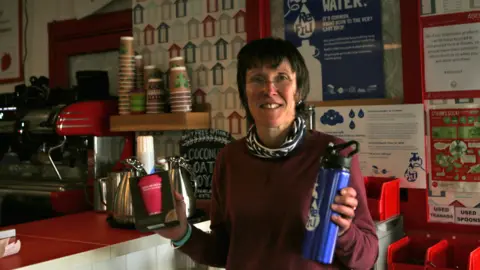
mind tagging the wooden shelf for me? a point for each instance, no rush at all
(160, 122)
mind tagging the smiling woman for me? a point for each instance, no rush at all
(262, 184)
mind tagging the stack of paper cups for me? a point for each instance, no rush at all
(176, 62)
(180, 92)
(148, 73)
(146, 153)
(173, 63)
(155, 96)
(139, 81)
(126, 74)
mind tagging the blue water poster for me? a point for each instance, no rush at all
(341, 41)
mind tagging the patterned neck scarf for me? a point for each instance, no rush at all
(296, 135)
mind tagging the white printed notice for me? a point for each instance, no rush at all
(391, 137)
(467, 216)
(441, 214)
(452, 56)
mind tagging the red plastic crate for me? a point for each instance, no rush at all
(454, 255)
(475, 259)
(409, 253)
(417, 252)
(383, 197)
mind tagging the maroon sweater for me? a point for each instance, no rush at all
(259, 209)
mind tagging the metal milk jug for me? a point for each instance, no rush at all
(122, 203)
(181, 179)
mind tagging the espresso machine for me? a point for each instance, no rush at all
(50, 156)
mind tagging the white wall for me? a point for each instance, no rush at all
(40, 13)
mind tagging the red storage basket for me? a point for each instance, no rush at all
(383, 197)
(409, 253)
(475, 259)
(454, 255)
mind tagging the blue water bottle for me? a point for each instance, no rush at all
(320, 231)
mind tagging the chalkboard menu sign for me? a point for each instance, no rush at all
(200, 148)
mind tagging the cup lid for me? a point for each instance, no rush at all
(151, 80)
(176, 58)
(177, 68)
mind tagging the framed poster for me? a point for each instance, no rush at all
(391, 137)
(451, 53)
(454, 181)
(342, 46)
(11, 36)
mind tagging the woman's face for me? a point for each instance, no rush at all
(271, 94)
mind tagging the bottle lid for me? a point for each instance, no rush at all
(337, 161)
(333, 159)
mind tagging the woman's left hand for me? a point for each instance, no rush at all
(345, 205)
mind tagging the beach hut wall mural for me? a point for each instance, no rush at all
(208, 34)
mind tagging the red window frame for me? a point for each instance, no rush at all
(95, 34)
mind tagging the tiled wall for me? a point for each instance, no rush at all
(208, 34)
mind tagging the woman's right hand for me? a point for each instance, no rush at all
(176, 233)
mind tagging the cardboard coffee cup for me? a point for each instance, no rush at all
(180, 98)
(181, 94)
(127, 59)
(138, 61)
(179, 102)
(126, 64)
(125, 90)
(176, 62)
(182, 108)
(156, 105)
(148, 73)
(151, 190)
(124, 93)
(126, 81)
(126, 73)
(126, 77)
(179, 106)
(179, 81)
(126, 84)
(126, 46)
(145, 222)
(154, 83)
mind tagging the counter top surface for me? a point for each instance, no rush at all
(54, 238)
(86, 227)
(36, 250)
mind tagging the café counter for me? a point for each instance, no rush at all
(86, 241)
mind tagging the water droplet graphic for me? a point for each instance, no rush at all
(351, 114)
(352, 125)
(361, 114)
(304, 24)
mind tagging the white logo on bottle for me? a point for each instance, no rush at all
(313, 215)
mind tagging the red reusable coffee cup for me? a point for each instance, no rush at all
(151, 189)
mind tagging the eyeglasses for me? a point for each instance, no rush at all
(279, 82)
